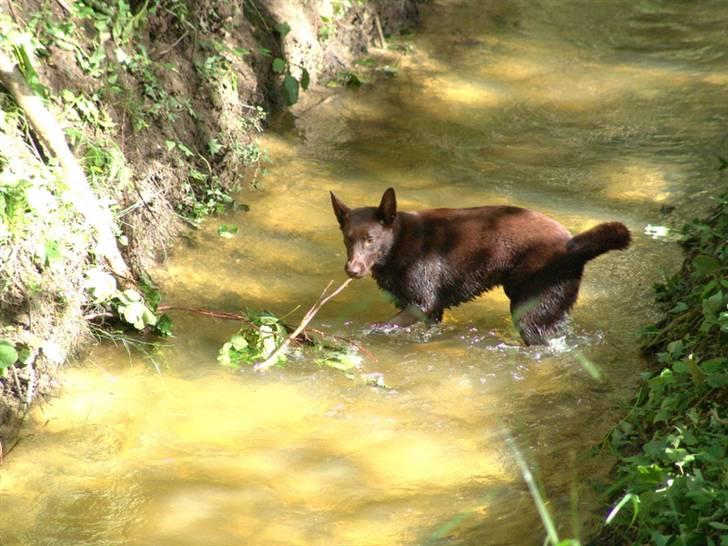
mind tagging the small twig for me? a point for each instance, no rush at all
(95, 316)
(18, 20)
(31, 387)
(17, 381)
(301, 336)
(273, 357)
(64, 5)
(379, 31)
(345, 340)
(142, 202)
(170, 48)
(206, 312)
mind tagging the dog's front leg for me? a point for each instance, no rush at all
(406, 317)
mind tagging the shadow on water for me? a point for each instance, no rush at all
(586, 112)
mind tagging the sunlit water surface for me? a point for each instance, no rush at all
(586, 111)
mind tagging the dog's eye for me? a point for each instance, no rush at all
(369, 240)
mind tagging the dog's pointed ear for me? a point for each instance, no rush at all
(387, 210)
(340, 209)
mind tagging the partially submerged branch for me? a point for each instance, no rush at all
(323, 298)
(301, 334)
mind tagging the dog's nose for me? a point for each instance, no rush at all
(354, 269)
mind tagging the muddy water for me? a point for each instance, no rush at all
(588, 112)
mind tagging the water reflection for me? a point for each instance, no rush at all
(586, 112)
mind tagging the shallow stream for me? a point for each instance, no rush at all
(585, 111)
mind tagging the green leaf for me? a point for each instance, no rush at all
(717, 380)
(283, 29)
(290, 89)
(714, 303)
(279, 65)
(148, 318)
(227, 231)
(238, 342)
(214, 146)
(164, 326)
(353, 81)
(134, 314)
(305, 78)
(132, 295)
(705, 265)
(52, 251)
(100, 284)
(714, 365)
(8, 354)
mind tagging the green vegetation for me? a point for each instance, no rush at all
(672, 487)
(262, 332)
(134, 133)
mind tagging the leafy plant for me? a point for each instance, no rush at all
(290, 85)
(128, 306)
(262, 332)
(227, 231)
(8, 355)
(345, 79)
(258, 337)
(673, 486)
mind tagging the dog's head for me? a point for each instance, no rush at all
(369, 233)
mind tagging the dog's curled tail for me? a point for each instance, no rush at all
(599, 239)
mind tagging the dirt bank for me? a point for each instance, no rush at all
(161, 101)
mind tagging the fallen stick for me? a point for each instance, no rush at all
(224, 315)
(305, 335)
(379, 31)
(273, 357)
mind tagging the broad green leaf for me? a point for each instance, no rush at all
(290, 89)
(305, 78)
(134, 313)
(52, 251)
(8, 354)
(279, 65)
(100, 284)
(705, 265)
(717, 380)
(714, 365)
(132, 295)
(227, 231)
(283, 29)
(148, 318)
(238, 342)
(214, 146)
(164, 326)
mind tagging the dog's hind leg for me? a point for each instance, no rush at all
(539, 314)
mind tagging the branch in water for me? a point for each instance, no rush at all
(273, 357)
(301, 334)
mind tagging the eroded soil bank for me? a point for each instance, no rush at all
(161, 102)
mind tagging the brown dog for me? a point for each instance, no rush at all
(435, 259)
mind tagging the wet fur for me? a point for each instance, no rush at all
(435, 259)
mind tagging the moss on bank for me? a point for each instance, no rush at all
(672, 478)
(161, 101)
